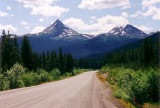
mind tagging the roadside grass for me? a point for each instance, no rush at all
(133, 88)
(103, 80)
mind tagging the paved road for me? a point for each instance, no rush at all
(82, 91)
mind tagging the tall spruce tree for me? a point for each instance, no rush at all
(69, 63)
(6, 51)
(15, 55)
(61, 61)
(26, 53)
(53, 60)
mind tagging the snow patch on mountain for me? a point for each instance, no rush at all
(127, 30)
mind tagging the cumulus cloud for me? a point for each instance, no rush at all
(101, 25)
(44, 7)
(93, 17)
(8, 8)
(146, 3)
(124, 14)
(38, 29)
(138, 14)
(41, 20)
(37, 2)
(8, 28)
(102, 4)
(144, 28)
(152, 11)
(24, 23)
(149, 9)
(3, 14)
(46, 10)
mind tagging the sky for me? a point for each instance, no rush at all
(84, 16)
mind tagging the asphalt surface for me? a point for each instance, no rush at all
(81, 91)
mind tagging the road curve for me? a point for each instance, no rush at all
(81, 91)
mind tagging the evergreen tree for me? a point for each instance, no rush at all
(26, 53)
(15, 55)
(43, 57)
(53, 60)
(6, 51)
(61, 61)
(69, 63)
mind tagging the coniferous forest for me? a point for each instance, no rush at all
(21, 67)
(134, 72)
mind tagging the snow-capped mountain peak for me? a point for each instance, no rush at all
(59, 31)
(127, 30)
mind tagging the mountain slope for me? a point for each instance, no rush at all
(80, 45)
(106, 42)
(127, 30)
(59, 31)
(99, 44)
(133, 45)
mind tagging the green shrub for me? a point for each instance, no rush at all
(104, 69)
(140, 89)
(15, 76)
(136, 86)
(121, 95)
(19, 82)
(28, 79)
(1, 81)
(154, 83)
(44, 77)
(68, 74)
(55, 74)
(124, 80)
(5, 84)
(77, 71)
(36, 78)
(39, 71)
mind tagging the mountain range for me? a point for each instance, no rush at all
(59, 31)
(80, 45)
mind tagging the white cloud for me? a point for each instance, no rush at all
(27, 27)
(138, 14)
(47, 10)
(101, 4)
(147, 3)
(144, 28)
(44, 7)
(124, 14)
(41, 20)
(8, 28)
(152, 11)
(52, 22)
(93, 17)
(37, 2)
(38, 29)
(24, 23)
(149, 9)
(3, 14)
(8, 8)
(101, 25)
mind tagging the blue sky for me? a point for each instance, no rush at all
(85, 16)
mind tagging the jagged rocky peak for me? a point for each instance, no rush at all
(59, 31)
(57, 25)
(127, 30)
